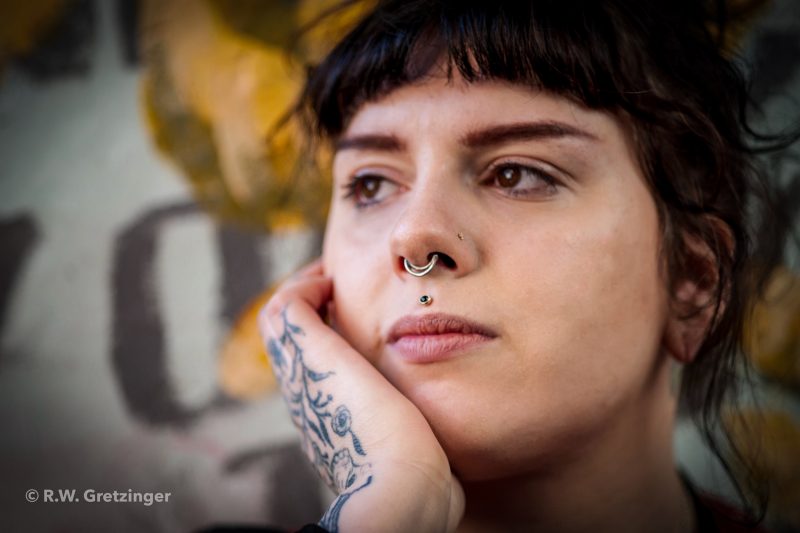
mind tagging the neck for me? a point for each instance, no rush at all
(623, 480)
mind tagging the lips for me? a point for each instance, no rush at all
(436, 337)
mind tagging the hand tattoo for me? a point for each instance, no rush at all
(331, 450)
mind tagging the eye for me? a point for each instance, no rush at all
(517, 180)
(369, 189)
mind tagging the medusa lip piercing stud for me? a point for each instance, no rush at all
(460, 236)
(418, 271)
(425, 299)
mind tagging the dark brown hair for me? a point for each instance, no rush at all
(659, 65)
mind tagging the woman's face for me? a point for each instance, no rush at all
(549, 239)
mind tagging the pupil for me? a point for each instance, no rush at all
(509, 177)
(369, 187)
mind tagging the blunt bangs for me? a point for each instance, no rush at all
(578, 50)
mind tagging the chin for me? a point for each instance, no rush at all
(478, 442)
(488, 435)
(480, 454)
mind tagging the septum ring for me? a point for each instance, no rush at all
(418, 271)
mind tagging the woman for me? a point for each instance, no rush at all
(539, 210)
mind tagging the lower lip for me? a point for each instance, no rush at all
(432, 348)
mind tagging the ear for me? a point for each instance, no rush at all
(684, 334)
(693, 294)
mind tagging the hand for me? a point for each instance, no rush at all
(369, 443)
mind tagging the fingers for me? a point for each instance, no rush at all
(314, 268)
(294, 334)
(294, 310)
(311, 290)
(308, 285)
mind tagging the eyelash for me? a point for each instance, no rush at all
(351, 187)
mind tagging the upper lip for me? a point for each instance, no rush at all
(436, 324)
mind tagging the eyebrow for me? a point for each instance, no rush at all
(383, 143)
(475, 139)
(523, 131)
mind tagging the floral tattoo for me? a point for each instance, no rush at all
(326, 432)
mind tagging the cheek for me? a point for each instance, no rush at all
(623, 281)
(585, 310)
(594, 300)
(357, 289)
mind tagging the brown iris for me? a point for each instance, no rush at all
(509, 177)
(368, 187)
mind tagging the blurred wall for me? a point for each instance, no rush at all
(117, 292)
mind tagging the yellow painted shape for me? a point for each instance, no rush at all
(245, 372)
(771, 440)
(772, 336)
(23, 23)
(318, 39)
(229, 91)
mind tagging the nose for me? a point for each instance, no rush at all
(433, 222)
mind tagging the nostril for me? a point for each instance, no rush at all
(445, 260)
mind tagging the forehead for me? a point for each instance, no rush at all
(454, 110)
(439, 103)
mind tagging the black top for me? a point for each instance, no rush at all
(711, 516)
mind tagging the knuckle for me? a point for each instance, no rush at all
(273, 308)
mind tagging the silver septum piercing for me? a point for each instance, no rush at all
(425, 300)
(418, 271)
